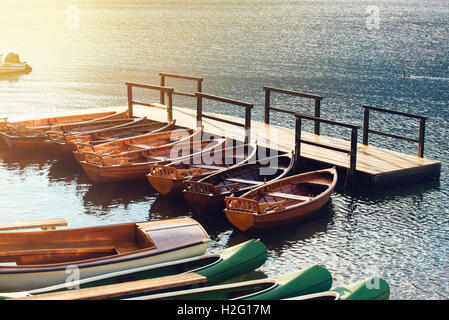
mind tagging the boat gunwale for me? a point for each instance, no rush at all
(117, 258)
(273, 281)
(147, 163)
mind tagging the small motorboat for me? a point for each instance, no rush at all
(37, 259)
(405, 76)
(10, 63)
(283, 201)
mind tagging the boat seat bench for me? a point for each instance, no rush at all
(287, 196)
(244, 181)
(119, 290)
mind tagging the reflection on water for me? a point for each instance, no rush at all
(321, 47)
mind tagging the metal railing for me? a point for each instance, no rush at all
(200, 115)
(166, 90)
(268, 107)
(352, 152)
(421, 133)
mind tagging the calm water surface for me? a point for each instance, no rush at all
(322, 47)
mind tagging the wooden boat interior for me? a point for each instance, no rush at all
(151, 126)
(241, 177)
(145, 141)
(283, 194)
(221, 292)
(161, 154)
(51, 124)
(46, 122)
(60, 136)
(37, 248)
(200, 165)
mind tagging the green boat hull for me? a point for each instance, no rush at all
(368, 289)
(231, 262)
(310, 280)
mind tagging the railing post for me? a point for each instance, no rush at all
(365, 125)
(317, 114)
(199, 109)
(130, 101)
(422, 128)
(297, 154)
(169, 105)
(267, 106)
(162, 82)
(199, 85)
(248, 124)
(353, 155)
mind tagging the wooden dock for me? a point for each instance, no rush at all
(376, 166)
(360, 162)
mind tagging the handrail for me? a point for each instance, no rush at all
(421, 133)
(352, 151)
(164, 75)
(248, 106)
(162, 89)
(315, 97)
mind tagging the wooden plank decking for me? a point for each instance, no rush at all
(377, 165)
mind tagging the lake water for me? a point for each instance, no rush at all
(350, 52)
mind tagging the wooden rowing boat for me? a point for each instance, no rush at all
(107, 135)
(169, 179)
(373, 288)
(306, 281)
(281, 202)
(63, 140)
(97, 138)
(215, 268)
(134, 165)
(209, 192)
(37, 259)
(34, 133)
(139, 142)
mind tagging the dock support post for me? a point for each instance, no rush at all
(353, 156)
(247, 125)
(317, 114)
(365, 126)
(267, 106)
(169, 105)
(422, 128)
(162, 82)
(130, 101)
(297, 155)
(199, 110)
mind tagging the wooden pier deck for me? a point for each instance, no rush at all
(375, 166)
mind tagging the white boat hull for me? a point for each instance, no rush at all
(25, 281)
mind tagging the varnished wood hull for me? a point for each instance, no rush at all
(37, 139)
(203, 203)
(134, 171)
(210, 202)
(115, 173)
(170, 183)
(168, 240)
(244, 220)
(128, 132)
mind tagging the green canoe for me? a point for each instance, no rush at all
(231, 262)
(310, 280)
(369, 289)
